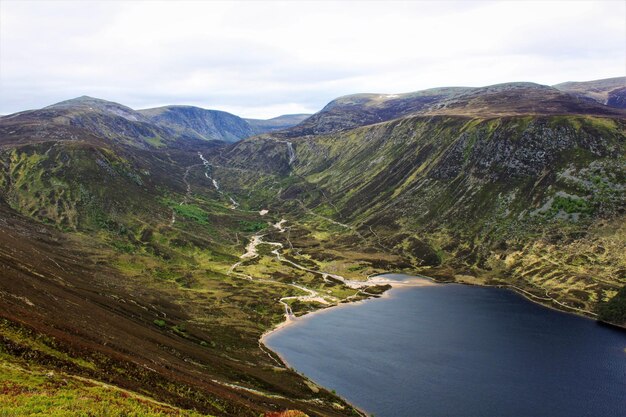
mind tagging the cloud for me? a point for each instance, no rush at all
(260, 58)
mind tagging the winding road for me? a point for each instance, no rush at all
(312, 295)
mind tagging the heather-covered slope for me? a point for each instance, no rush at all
(495, 100)
(532, 201)
(82, 311)
(101, 118)
(118, 267)
(609, 91)
(156, 265)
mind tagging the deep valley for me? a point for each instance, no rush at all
(143, 254)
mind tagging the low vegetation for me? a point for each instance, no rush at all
(614, 310)
(125, 283)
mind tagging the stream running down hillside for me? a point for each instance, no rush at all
(207, 171)
(178, 260)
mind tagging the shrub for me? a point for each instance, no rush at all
(614, 310)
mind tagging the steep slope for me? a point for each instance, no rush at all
(537, 202)
(200, 123)
(496, 100)
(609, 91)
(70, 314)
(101, 118)
(120, 265)
(277, 123)
(364, 109)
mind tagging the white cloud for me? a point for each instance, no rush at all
(260, 58)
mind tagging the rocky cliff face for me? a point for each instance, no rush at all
(277, 123)
(473, 196)
(200, 123)
(617, 98)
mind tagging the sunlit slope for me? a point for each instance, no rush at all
(531, 200)
(508, 99)
(115, 268)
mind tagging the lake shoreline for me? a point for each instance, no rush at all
(392, 292)
(394, 285)
(550, 303)
(421, 280)
(547, 303)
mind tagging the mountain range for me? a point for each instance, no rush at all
(148, 127)
(150, 249)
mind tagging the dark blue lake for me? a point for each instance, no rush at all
(454, 350)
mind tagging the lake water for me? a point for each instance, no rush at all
(454, 350)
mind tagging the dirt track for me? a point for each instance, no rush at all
(50, 285)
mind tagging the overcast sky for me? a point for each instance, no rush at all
(262, 59)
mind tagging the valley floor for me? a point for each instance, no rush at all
(162, 309)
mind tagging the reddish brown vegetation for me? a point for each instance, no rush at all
(287, 413)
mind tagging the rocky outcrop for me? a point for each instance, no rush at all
(200, 123)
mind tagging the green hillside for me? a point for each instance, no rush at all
(142, 263)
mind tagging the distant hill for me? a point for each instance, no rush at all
(277, 123)
(363, 109)
(140, 249)
(200, 123)
(609, 91)
(216, 125)
(496, 100)
(148, 128)
(85, 115)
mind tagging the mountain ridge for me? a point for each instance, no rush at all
(154, 127)
(608, 91)
(200, 123)
(516, 98)
(277, 123)
(156, 266)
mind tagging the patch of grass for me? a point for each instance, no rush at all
(600, 122)
(251, 226)
(180, 329)
(160, 323)
(37, 343)
(358, 267)
(155, 141)
(123, 247)
(192, 212)
(571, 205)
(614, 310)
(35, 391)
